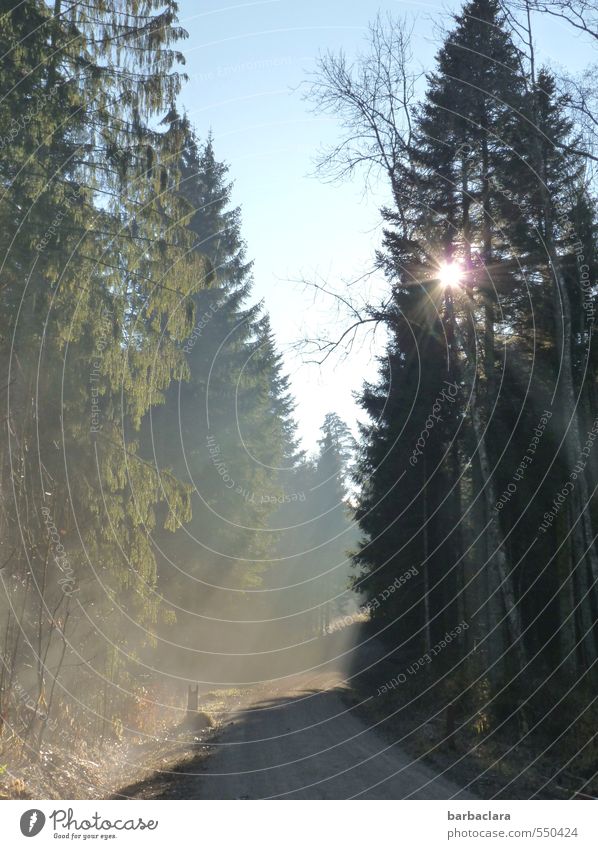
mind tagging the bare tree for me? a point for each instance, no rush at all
(583, 104)
(373, 98)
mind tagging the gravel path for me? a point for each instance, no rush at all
(300, 740)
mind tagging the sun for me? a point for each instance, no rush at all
(450, 274)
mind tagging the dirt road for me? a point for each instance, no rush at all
(301, 740)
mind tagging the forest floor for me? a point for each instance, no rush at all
(301, 737)
(85, 770)
(306, 736)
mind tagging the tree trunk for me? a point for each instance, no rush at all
(498, 567)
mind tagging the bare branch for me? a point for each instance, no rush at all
(374, 98)
(581, 14)
(359, 315)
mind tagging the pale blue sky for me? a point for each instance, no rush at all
(245, 62)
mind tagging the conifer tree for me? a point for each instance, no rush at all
(97, 260)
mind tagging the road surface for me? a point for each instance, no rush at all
(301, 740)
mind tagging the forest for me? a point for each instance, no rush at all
(172, 553)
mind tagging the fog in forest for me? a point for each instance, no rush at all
(404, 605)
